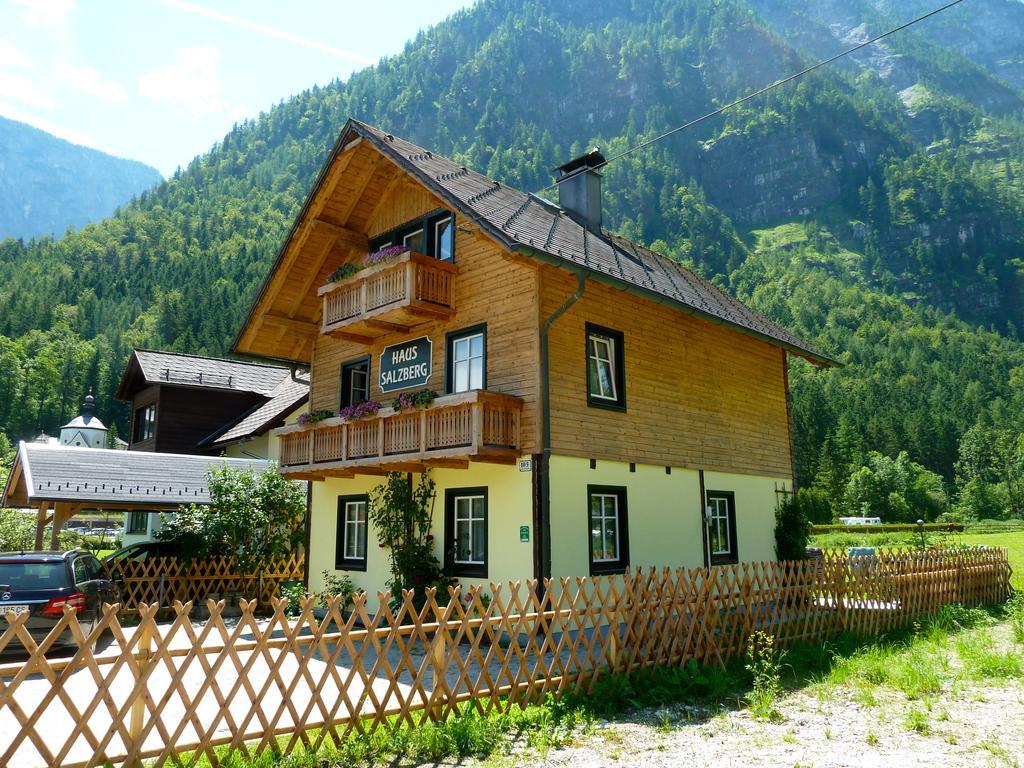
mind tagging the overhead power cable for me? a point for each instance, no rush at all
(755, 94)
(776, 84)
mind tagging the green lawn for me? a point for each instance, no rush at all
(1012, 540)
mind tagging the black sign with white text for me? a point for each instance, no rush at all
(406, 365)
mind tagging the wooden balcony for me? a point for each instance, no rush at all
(478, 426)
(387, 298)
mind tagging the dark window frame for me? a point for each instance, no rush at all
(132, 529)
(619, 344)
(732, 556)
(621, 564)
(427, 222)
(449, 344)
(139, 423)
(341, 562)
(472, 570)
(344, 392)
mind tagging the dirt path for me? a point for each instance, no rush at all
(978, 726)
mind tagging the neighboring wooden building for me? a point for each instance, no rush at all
(187, 404)
(601, 406)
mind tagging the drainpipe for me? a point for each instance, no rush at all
(542, 502)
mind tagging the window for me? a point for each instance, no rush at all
(355, 382)
(145, 422)
(81, 576)
(138, 522)
(350, 551)
(606, 377)
(467, 359)
(722, 527)
(465, 524)
(609, 535)
(431, 235)
(443, 239)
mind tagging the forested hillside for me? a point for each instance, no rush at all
(874, 208)
(48, 185)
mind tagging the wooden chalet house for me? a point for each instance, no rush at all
(599, 407)
(204, 406)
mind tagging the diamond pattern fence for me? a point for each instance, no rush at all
(176, 691)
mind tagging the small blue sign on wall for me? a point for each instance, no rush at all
(405, 365)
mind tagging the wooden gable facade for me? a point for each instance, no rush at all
(694, 423)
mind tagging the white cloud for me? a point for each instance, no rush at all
(44, 13)
(24, 90)
(12, 112)
(191, 81)
(13, 57)
(88, 80)
(262, 29)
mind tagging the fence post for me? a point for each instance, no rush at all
(138, 710)
(437, 654)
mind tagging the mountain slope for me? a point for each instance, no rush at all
(48, 185)
(877, 216)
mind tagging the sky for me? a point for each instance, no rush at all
(162, 80)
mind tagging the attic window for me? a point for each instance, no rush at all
(432, 235)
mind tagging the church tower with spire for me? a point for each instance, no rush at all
(85, 430)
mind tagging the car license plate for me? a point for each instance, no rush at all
(15, 609)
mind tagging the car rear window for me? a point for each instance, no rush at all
(29, 574)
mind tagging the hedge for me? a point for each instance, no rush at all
(888, 528)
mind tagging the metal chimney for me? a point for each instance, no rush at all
(579, 189)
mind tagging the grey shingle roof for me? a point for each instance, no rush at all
(191, 370)
(525, 222)
(285, 398)
(100, 476)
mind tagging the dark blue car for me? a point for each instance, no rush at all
(43, 583)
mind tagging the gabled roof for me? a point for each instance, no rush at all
(153, 367)
(529, 225)
(99, 476)
(286, 397)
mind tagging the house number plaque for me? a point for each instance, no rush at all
(405, 365)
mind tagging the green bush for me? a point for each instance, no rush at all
(888, 528)
(792, 530)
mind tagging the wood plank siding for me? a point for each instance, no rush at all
(491, 287)
(697, 394)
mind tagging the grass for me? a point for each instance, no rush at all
(1013, 540)
(923, 662)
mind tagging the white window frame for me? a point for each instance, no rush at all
(352, 523)
(468, 361)
(720, 525)
(602, 523)
(472, 520)
(418, 232)
(593, 353)
(450, 221)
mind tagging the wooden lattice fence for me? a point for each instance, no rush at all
(166, 580)
(157, 690)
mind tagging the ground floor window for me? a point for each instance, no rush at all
(722, 527)
(138, 522)
(350, 549)
(465, 525)
(609, 537)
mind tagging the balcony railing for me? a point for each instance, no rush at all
(396, 296)
(478, 425)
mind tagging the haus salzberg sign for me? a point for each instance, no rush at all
(405, 365)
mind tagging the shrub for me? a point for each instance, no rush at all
(764, 663)
(888, 528)
(337, 585)
(344, 272)
(792, 530)
(253, 516)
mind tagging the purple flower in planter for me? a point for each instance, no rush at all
(360, 410)
(385, 254)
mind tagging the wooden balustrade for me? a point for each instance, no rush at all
(477, 425)
(402, 293)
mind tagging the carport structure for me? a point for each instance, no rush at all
(59, 481)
